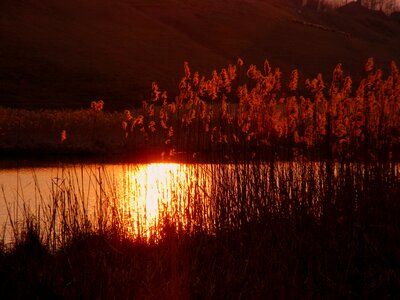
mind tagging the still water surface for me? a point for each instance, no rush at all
(140, 197)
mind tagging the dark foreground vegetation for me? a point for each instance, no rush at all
(306, 231)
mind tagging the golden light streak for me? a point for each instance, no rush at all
(150, 191)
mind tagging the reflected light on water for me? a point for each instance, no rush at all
(139, 198)
(150, 192)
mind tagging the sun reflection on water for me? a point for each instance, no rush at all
(139, 198)
(149, 192)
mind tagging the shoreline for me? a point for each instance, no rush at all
(12, 158)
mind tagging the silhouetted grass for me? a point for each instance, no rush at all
(298, 231)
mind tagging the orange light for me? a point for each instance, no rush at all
(149, 195)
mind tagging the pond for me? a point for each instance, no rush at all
(141, 198)
(137, 195)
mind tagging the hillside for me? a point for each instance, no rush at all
(57, 54)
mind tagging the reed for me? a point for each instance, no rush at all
(292, 230)
(235, 114)
(298, 197)
(268, 117)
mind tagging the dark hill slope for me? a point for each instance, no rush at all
(66, 53)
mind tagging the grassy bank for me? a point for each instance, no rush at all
(85, 131)
(57, 64)
(323, 231)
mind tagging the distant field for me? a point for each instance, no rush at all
(63, 54)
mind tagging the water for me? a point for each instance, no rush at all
(140, 197)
